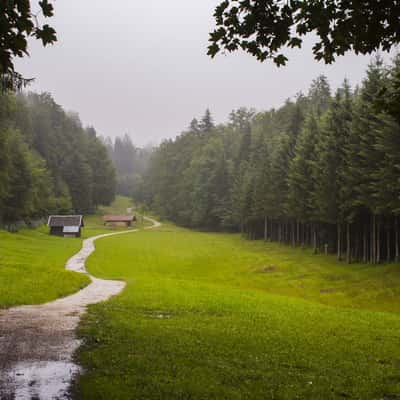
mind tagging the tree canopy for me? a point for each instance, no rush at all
(49, 163)
(17, 24)
(322, 170)
(266, 28)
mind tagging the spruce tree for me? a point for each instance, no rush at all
(206, 123)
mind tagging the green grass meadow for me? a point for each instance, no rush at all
(213, 316)
(32, 263)
(32, 267)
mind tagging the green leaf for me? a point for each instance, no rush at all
(47, 34)
(47, 8)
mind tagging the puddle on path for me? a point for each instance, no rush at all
(40, 380)
(37, 343)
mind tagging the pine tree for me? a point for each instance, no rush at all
(103, 180)
(362, 159)
(194, 126)
(206, 124)
(328, 171)
(301, 182)
(319, 95)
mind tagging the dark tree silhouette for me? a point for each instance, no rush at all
(17, 24)
(264, 28)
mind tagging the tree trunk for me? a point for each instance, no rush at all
(284, 240)
(372, 243)
(265, 228)
(314, 233)
(396, 238)
(348, 249)
(365, 243)
(378, 242)
(356, 252)
(298, 232)
(339, 242)
(293, 233)
(388, 244)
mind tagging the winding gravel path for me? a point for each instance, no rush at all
(37, 343)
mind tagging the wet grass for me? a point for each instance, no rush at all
(212, 316)
(32, 267)
(32, 262)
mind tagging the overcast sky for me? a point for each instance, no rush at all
(140, 67)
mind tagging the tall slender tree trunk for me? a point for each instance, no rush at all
(339, 241)
(284, 240)
(298, 232)
(378, 241)
(348, 244)
(279, 232)
(388, 244)
(373, 244)
(265, 228)
(356, 251)
(314, 238)
(293, 233)
(365, 242)
(396, 238)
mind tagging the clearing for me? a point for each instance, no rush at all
(212, 316)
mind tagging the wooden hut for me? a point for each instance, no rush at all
(116, 220)
(65, 225)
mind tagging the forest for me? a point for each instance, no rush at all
(320, 171)
(49, 163)
(130, 163)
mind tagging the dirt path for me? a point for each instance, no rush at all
(37, 342)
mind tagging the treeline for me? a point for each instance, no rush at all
(322, 171)
(49, 163)
(130, 163)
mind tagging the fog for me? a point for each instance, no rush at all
(140, 67)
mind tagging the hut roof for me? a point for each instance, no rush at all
(56, 221)
(118, 218)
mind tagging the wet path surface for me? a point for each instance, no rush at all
(37, 343)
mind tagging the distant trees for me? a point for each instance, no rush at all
(130, 163)
(206, 123)
(48, 161)
(322, 170)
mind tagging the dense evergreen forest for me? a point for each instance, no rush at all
(322, 170)
(130, 164)
(49, 163)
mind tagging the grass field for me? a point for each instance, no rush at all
(32, 262)
(212, 316)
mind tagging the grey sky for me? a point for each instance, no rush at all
(140, 67)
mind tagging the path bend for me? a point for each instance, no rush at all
(37, 342)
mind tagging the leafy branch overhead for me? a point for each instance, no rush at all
(267, 28)
(17, 24)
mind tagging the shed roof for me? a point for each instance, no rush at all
(118, 218)
(65, 220)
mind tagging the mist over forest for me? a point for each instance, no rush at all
(321, 170)
(257, 258)
(49, 162)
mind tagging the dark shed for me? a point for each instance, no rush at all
(65, 225)
(119, 219)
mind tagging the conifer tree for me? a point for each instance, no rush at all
(328, 171)
(206, 123)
